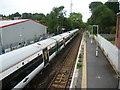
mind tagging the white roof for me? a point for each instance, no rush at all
(8, 22)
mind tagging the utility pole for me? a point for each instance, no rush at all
(71, 4)
(92, 35)
(96, 40)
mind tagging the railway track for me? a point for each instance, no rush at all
(64, 73)
(58, 73)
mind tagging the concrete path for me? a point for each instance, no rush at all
(100, 74)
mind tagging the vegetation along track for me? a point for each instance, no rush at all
(58, 73)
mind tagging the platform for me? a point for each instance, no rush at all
(100, 73)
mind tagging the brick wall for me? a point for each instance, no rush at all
(118, 31)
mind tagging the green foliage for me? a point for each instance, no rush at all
(93, 5)
(14, 15)
(79, 65)
(80, 56)
(17, 14)
(113, 30)
(104, 16)
(113, 42)
(55, 20)
(27, 15)
(111, 39)
(76, 20)
(114, 6)
(1, 15)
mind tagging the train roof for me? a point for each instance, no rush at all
(20, 54)
(11, 58)
(65, 34)
(6, 23)
(58, 37)
(17, 55)
(46, 42)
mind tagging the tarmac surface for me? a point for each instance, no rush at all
(100, 73)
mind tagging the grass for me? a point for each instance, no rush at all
(79, 65)
(80, 56)
(113, 42)
(102, 50)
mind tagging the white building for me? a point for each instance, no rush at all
(16, 32)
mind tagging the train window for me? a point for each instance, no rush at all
(60, 44)
(41, 58)
(22, 63)
(19, 43)
(67, 39)
(52, 50)
(14, 78)
(38, 43)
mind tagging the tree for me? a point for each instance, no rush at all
(76, 20)
(67, 24)
(102, 16)
(94, 5)
(114, 6)
(16, 14)
(1, 15)
(105, 19)
(38, 16)
(55, 19)
(27, 15)
(11, 16)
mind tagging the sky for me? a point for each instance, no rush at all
(45, 6)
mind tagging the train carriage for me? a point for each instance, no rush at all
(20, 66)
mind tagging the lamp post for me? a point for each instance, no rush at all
(71, 6)
(97, 37)
(91, 33)
(96, 42)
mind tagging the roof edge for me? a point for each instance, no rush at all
(14, 23)
(22, 22)
(38, 22)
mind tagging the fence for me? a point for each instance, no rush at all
(108, 35)
(111, 52)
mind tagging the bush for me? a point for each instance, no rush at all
(79, 65)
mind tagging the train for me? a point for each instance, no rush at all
(19, 67)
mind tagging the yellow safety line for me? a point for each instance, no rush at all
(84, 73)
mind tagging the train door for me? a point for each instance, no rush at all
(46, 56)
(58, 47)
(64, 42)
(56, 44)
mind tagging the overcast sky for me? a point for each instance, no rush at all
(45, 6)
